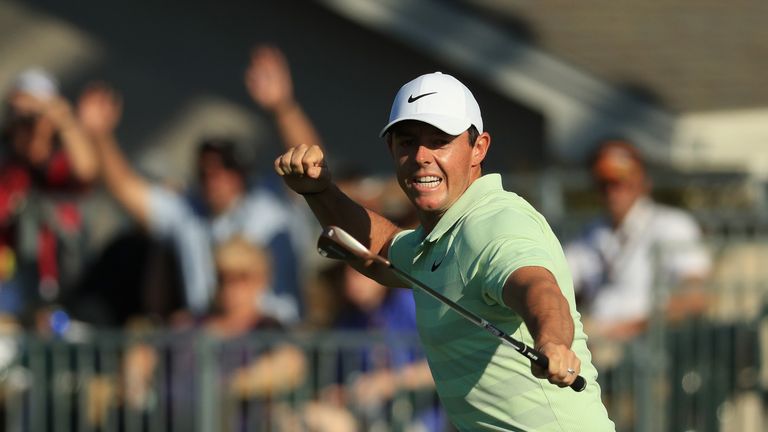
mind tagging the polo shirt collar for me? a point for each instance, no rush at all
(479, 188)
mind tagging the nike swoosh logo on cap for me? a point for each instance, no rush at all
(412, 99)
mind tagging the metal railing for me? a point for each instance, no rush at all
(707, 374)
(704, 375)
(187, 382)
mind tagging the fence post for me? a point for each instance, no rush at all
(207, 389)
(653, 387)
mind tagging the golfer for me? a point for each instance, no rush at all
(486, 249)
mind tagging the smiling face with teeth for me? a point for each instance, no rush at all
(434, 168)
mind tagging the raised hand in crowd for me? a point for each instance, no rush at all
(268, 79)
(100, 109)
(223, 202)
(269, 83)
(53, 115)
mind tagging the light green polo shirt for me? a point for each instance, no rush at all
(483, 384)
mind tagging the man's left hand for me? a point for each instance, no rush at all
(564, 365)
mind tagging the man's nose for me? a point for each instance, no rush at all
(423, 154)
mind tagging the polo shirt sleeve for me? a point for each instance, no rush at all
(521, 243)
(168, 212)
(401, 250)
(585, 265)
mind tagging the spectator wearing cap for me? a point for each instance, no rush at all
(224, 204)
(47, 162)
(614, 264)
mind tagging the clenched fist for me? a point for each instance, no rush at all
(303, 169)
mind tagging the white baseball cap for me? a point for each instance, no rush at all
(438, 99)
(36, 81)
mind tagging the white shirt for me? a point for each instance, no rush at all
(258, 216)
(615, 269)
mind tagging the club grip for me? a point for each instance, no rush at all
(534, 355)
(579, 384)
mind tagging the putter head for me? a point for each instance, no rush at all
(336, 243)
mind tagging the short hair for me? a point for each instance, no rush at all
(239, 254)
(620, 150)
(474, 134)
(227, 150)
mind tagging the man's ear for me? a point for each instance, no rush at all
(480, 149)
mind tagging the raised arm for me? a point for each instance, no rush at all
(304, 170)
(533, 293)
(269, 83)
(73, 138)
(99, 110)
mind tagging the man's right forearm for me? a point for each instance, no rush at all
(130, 190)
(304, 170)
(333, 207)
(77, 147)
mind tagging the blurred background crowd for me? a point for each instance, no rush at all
(155, 274)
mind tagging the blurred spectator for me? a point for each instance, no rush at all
(250, 368)
(224, 205)
(46, 163)
(383, 371)
(269, 83)
(637, 246)
(144, 280)
(380, 194)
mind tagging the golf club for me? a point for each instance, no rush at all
(336, 243)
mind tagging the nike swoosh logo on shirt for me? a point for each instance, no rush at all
(412, 99)
(436, 264)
